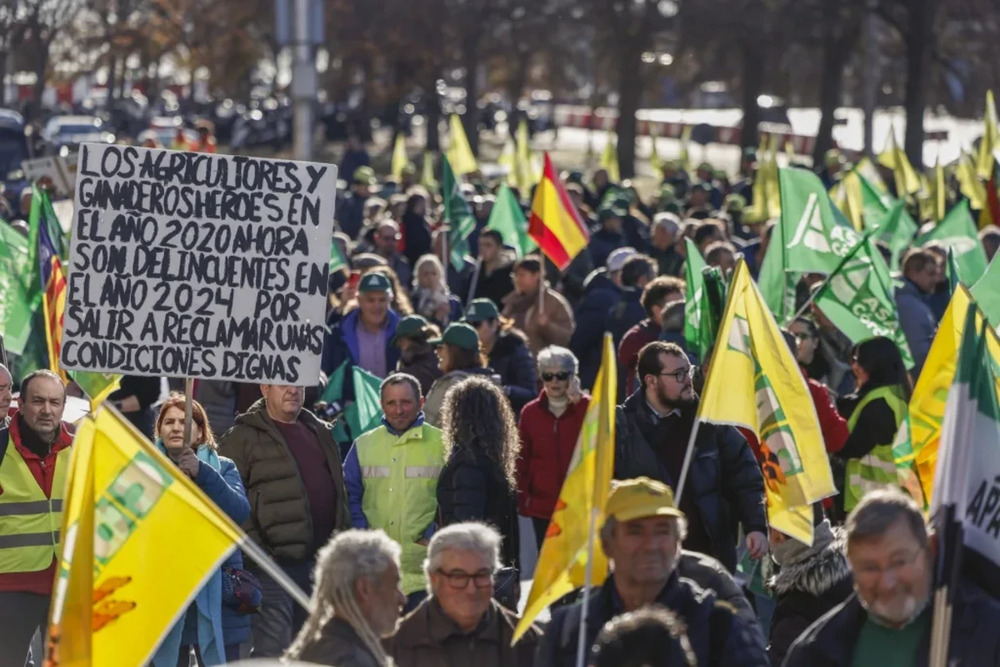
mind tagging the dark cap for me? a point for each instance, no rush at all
(480, 310)
(374, 281)
(460, 335)
(411, 326)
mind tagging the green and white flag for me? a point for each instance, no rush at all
(16, 307)
(968, 462)
(858, 296)
(693, 298)
(337, 260)
(508, 219)
(812, 235)
(457, 215)
(876, 208)
(986, 291)
(958, 231)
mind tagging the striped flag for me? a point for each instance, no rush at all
(555, 223)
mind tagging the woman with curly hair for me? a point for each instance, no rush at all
(481, 446)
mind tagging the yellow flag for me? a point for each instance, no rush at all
(685, 149)
(508, 159)
(988, 143)
(427, 175)
(460, 153)
(846, 194)
(867, 169)
(609, 158)
(654, 156)
(755, 382)
(398, 157)
(525, 170)
(893, 157)
(931, 391)
(141, 541)
(562, 562)
(969, 183)
(940, 192)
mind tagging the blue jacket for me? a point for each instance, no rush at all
(917, 322)
(341, 344)
(603, 243)
(216, 625)
(511, 359)
(600, 295)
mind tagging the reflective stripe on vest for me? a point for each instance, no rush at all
(29, 522)
(400, 481)
(877, 469)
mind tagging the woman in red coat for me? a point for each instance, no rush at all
(549, 428)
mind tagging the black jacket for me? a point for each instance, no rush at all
(724, 477)
(718, 635)
(512, 361)
(805, 591)
(493, 286)
(830, 641)
(591, 316)
(471, 487)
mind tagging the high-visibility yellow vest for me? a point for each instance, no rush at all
(29, 522)
(400, 480)
(877, 469)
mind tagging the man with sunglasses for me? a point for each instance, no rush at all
(724, 483)
(460, 623)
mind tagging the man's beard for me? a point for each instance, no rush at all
(678, 403)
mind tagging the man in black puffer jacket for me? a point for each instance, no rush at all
(724, 487)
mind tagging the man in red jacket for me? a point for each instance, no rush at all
(655, 296)
(35, 444)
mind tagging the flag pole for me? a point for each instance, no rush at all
(474, 283)
(188, 407)
(581, 641)
(679, 486)
(949, 568)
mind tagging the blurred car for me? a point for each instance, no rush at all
(64, 134)
(164, 129)
(13, 151)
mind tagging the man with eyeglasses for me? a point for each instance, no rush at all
(724, 483)
(460, 623)
(887, 622)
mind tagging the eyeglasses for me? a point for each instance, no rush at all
(681, 374)
(459, 580)
(562, 376)
(871, 571)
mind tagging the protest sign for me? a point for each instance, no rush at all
(198, 265)
(60, 170)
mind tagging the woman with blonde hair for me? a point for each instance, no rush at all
(430, 295)
(214, 624)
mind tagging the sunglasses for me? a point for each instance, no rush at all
(561, 376)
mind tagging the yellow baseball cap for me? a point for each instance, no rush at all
(640, 498)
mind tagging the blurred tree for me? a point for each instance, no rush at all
(41, 22)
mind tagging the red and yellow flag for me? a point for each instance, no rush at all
(555, 223)
(53, 283)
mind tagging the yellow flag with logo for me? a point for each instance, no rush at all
(754, 382)
(562, 563)
(460, 152)
(140, 542)
(930, 394)
(399, 159)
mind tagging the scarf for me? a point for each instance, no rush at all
(207, 606)
(557, 406)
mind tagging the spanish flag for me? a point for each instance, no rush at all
(53, 283)
(555, 223)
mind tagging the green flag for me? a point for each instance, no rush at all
(457, 215)
(987, 292)
(365, 412)
(693, 298)
(953, 273)
(876, 209)
(508, 219)
(958, 231)
(95, 385)
(858, 297)
(16, 305)
(713, 303)
(811, 235)
(337, 260)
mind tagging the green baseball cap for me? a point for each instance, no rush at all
(374, 281)
(365, 176)
(481, 309)
(460, 335)
(411, 326)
